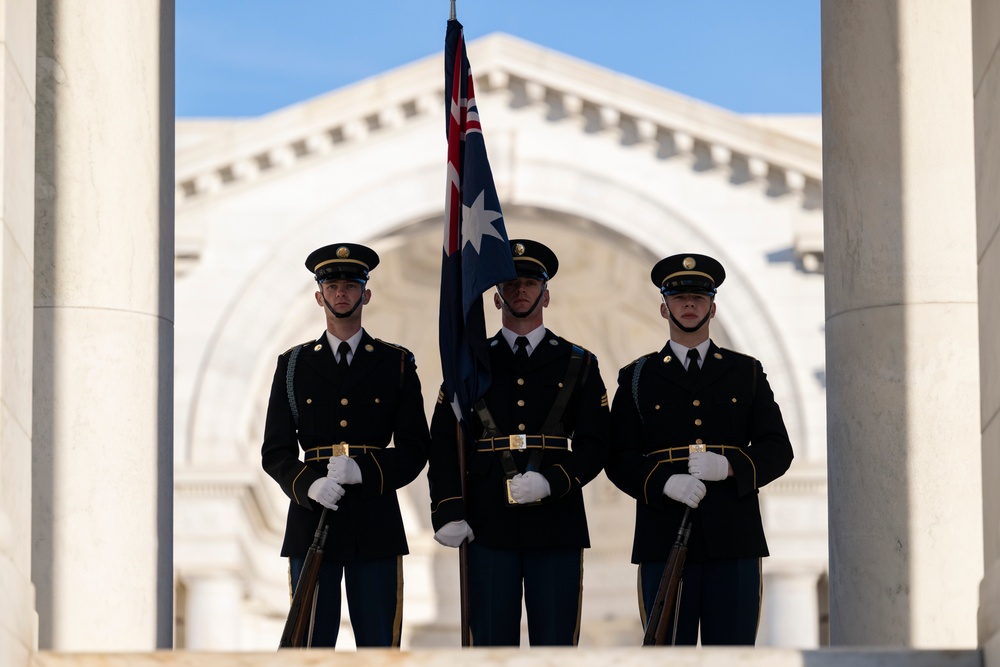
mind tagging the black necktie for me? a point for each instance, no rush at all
(344, 350)
(693, 369)
(521, 354)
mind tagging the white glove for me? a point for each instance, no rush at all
(529, 487)
(708, 466)
(326, 492)
(453, 533)
(343, 469)
(684, 489)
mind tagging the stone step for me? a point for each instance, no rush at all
(540, 657)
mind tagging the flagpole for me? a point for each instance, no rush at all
(463, 548)
(469, 266)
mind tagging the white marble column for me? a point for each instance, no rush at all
(212, 612)
(986, 80)
(18, 620)
(102, 464)
(905, 491)
(790, 613)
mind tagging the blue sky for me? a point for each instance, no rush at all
(240, 58)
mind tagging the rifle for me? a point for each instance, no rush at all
(669, 593)
(298, 625)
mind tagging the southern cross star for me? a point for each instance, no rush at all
(477, 222)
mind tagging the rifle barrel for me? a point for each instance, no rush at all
(666, 594)
(299, 620)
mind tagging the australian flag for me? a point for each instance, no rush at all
(476, 250)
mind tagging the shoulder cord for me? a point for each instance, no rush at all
(290, 383)
(635, 384)
(402, 368)
(638, 369)
(290, 379)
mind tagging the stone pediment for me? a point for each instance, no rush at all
(213, 155)
(779, 156)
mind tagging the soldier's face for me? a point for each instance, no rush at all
(343, 294)
(520, 294)
(688, 308)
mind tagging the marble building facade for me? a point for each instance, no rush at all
(612, 173)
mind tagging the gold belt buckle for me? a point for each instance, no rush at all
(696, 448)
(343, 449)
(518, 443)
(510, 495)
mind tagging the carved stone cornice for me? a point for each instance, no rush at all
(564, 89)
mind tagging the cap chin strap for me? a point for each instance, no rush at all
(340, 316)
(681, 326)
(526, 313)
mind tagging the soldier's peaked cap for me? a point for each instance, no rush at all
(533, 259)
(687, 273)
(342, 261)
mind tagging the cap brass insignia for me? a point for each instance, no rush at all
(689, 263)
(518, 249)
(343, 252)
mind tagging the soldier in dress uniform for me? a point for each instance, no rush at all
(336, 403)
(693, 392)
(537, 437)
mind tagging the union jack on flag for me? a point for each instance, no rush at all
(476, 250)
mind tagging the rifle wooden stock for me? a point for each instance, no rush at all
(299, 621)
(666, 594)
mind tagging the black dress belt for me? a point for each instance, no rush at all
(671, 454)
(341, 449)
(520, 443)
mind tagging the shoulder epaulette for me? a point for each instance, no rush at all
(585, 351)
(289, 350)
(404, 355)
(635, 361)
(394, 346)
(738, 354)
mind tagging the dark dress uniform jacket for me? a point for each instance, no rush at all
(731, 409)
(520, 401)
(379, 400)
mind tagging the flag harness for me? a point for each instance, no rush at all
(553, 425)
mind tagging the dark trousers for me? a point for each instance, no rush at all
(374, 598)
(722, 597)
(552, 583)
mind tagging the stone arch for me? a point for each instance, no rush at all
(248, 325)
